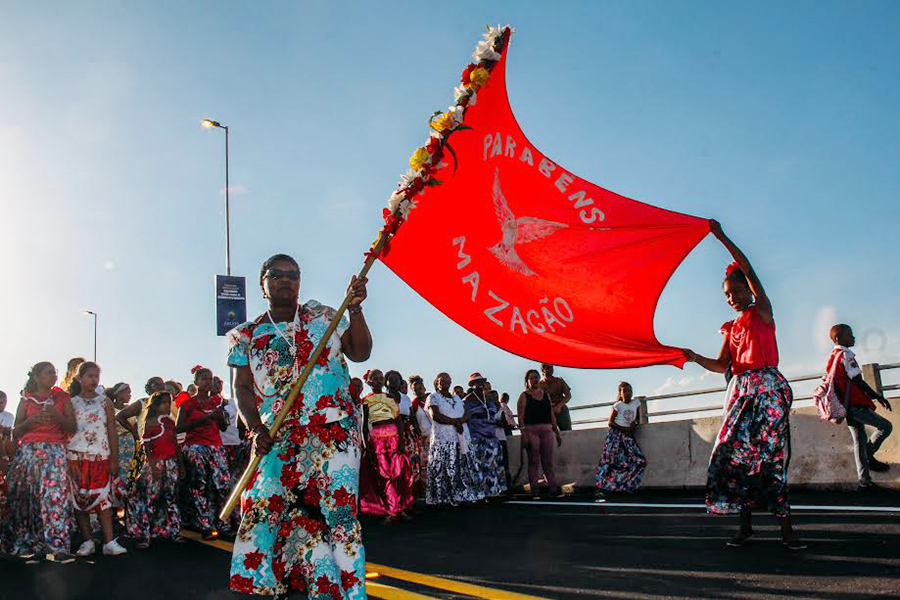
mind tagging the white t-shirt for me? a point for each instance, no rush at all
(7, 419)
(405, 405)
(626, 414)
(230, 437)
(850, 364)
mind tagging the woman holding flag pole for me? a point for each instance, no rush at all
(299, 532)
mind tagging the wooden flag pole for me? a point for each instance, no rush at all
(235, 496)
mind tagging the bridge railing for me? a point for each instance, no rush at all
(871, 373)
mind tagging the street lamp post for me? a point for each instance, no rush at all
(209, 124)
(90, 312)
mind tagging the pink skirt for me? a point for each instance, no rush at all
(385, 478)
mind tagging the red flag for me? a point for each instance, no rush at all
(532, 258)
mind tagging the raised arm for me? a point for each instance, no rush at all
(763, 304)
(356, 342)
(133, 410)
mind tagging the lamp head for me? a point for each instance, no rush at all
(209, 124)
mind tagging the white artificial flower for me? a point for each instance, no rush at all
(456, 113)
(395, 200)
(462, 91)
(407, 178)
(441, 165)
(485, 51)
(493, 33)
(405, 207)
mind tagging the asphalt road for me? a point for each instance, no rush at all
(568, 549)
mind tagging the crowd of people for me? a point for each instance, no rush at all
(79, 455)
(78, 458)
(81, 458)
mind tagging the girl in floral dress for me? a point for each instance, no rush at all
(132, 418)
(385, 484)
(206, 466)
(622, 464)
(39, 515)
(450, 468)
(749, 464)
(153, 510)
(93, 458)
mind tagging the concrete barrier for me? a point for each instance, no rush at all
(678, 453)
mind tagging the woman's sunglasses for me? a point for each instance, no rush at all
(276, 274)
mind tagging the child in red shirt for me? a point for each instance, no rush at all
(861, 409)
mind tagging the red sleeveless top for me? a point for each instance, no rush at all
(208, 433)
(160, 443)
(751, 342)
(44, 432)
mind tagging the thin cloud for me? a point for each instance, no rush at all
(826, 317)
(234, 189)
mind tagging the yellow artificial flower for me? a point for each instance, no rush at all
(443, 122)
(419, 158)
(479, 76)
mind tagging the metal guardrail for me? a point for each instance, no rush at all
(715, 390)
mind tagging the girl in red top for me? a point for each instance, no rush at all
(749, 464)
(153, 503)
(39, 518)
(206, 465)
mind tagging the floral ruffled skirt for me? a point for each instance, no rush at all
(39, 516)
(450, 474)
(487, 466)
(749, 463)
(622, 463)
(152, 509)
(208, 485)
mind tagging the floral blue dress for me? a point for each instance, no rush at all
(487, 455)
(300, 532)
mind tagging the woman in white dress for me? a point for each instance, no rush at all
(449, 470)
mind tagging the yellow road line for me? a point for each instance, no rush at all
(380, 590)
(386, 592)
(450, 585)
(220, 544)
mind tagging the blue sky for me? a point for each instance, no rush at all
(779, 119)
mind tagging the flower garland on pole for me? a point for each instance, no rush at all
(428, 159)
(423, 163)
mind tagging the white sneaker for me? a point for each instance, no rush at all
(86, 549)
(113, 549)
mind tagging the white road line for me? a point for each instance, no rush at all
(888, 509)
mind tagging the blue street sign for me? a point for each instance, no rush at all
(231, 303)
